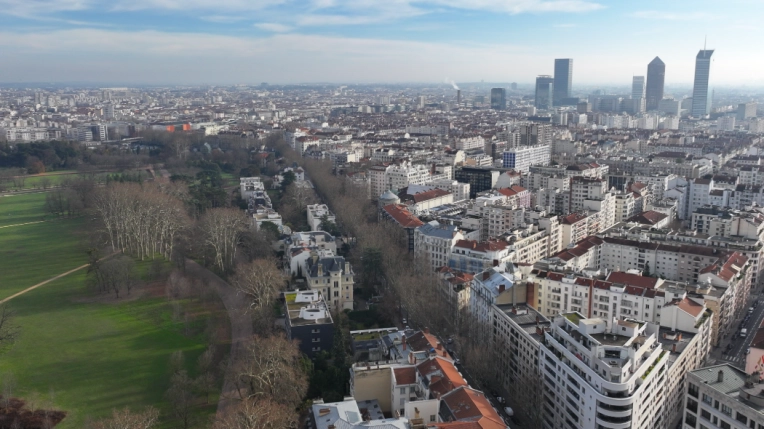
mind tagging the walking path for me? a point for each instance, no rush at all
(22, 224)
(4, 300)
(241, 327)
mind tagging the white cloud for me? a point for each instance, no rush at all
(274, 27)
(220, 6)
(224, 19)
(27, 8)
(669, 16)
(521, 6)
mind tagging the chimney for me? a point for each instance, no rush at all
(720, 376)
(416, 413)
(426, 330)
(403, 341)
(539, 331)
(486, 274)
(502, 288)
(439, 346)
(679, 338)
(320, 269)
(673, 348)
(445, 354)
(412, 358)
(347, 267)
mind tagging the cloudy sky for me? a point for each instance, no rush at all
(359, 41)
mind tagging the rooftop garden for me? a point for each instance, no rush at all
(706, 315)
(574, 318)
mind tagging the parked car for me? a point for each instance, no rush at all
(748, 350)
(501, 400)
(743, 332)
(405, 322)
(750, 310)
(509, 411)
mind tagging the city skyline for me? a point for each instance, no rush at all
(234, 41)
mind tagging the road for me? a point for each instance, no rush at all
(736, 355)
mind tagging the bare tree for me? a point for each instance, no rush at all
(271, 369)
(181, 397)
(9, 331)
(126, 419)
(115, 274)
(259, 414)
(221, 230)
(206, 380)
(45, 182)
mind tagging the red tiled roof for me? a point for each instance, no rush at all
(429, 195)
(650, 217)
(482, 246)
(632, 280)
(573, 218)
(402, 215)
(472, 405)
(405, 375)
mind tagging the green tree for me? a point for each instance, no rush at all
(646, 271)
(288, 179)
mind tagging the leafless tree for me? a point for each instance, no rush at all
(45, 182)
(270, 369)
(260, 280)
(9, 331)
(206, 380)
(181, 397)
(257, 414)
(114, 274)
(126, 419)
(221, 230)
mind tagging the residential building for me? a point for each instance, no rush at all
(348, 414)
(317, 213)
(435, 242)
(522, 158)
(479, 178)
(309, 322)
(723, 397)
(746, 111)
(400, 215)
(332, 277)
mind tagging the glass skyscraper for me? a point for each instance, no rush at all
(656, 74)
(563, 79)
(701, 103)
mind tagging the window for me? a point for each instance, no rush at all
(707, 399)
(724, 425)
(432, 417)
(705, 414)
(726, 410)
(741, 418)
(315, 331)
(403, 390)
(316, 340)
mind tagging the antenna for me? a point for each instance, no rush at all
(705, 38)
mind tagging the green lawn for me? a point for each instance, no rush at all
(54, 179)
(22, 208)
(92, 357)
(33, 253)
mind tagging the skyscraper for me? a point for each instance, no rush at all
(701, 103)
(656, 74)
(498, 98)
(637, 104)
(544, 92)
(563, 78)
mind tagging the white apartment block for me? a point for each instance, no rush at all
(378, 180)
(585, 188)
(471, 256)
(617, 374)
(522, 158)
(720, 221)
(316, 214)
(461, 191)
(723, 397)
(467, 143)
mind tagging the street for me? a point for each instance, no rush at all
(737, 353)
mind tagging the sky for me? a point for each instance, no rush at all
(374, 41)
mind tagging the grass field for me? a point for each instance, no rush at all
(33, 253)
(82, 355)
(22, 208)
(53, 179)
(87, 358)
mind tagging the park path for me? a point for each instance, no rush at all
(241, 327)
(43, 283)
(22, 224)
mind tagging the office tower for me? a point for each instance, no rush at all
(656, 74)
(535, 134)
(584, 107)
(563, 79)
(498, 98)
(701, 103)
(746, 111)
(637, 95)
(638, 87)
(521, 159)
(513, 85)
(458, 96)
(544, 92)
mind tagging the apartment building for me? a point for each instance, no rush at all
(332, 277)
(494, 286)
(583, 189)
(316, 214)
(472, 256)
(615, 374)
(625, 206)
(523, 157)
(309, 322)
(723, 397)
(404, 174)
(435, 242)
(378, 180)
(401, 216)
(726, 222)
(455, 288)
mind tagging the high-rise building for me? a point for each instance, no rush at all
(513, 86)
(563, 79)
(656, 74)
(498, 98)
(521, 159)
(544, 92)
(746, 111)
(701, 103)
(638, 87)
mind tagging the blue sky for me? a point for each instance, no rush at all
(283, 41)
